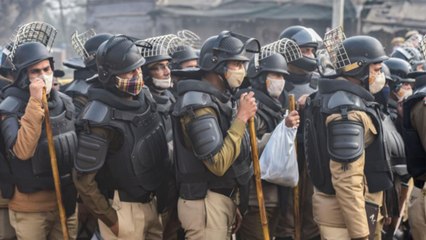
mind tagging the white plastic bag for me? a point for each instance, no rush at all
(278, 163)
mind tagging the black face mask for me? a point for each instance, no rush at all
(382, 97)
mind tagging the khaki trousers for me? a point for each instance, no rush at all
(417, 213)
(6, 230)
(136, 221)
(41, 225)
(210, 218)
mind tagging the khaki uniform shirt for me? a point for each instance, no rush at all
(230, 149)
(346, 209)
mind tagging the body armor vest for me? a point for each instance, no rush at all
(35, 174)
(340, 96)
(299, 85)
(416, 154)
(192, 175)
(137, 165)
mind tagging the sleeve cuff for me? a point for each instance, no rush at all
(238, 126)
(110, 217)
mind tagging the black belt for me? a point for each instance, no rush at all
(224, 191)
(125, 197)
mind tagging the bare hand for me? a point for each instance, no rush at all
(247, 107)
(114, 228)
(292, 120)
(302, 100)
(36, 88)
(238, 220)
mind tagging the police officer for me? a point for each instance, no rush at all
(84, 73)
(267, 78)
(122, 149)
(211, 144)
(184, 58)
(396, 71)
(301, 81)
(156, 74)
(33, 206)
(414, 133)
(344, 144)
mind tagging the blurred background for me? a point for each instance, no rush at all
(263, 19)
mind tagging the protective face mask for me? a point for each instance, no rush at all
(162, 83)
(132, 86)
(48, 81)
(235, 77)
(275, 87)
(376, 82)
(404, 93)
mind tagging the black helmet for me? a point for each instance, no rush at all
(26, 55)
(224, 47)
(304, 37)
(409, 54)
(5, 65)
(387, 72)
(117, 55)
(91, 46)
(257, 71)
(361, 52)
(182, 54)
(400, 71)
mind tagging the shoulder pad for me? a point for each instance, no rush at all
(10, 105)
(78, 87)
(69, 105)
(342, 98)
(96, 112)
(194, 100)
(345, 140)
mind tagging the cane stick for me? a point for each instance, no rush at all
(296, 207)
(259, 191)
(54, 164)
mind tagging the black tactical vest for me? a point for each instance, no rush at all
(416, 154)
(137, 165)
(35, 174)
(340, 96)
(192, 175)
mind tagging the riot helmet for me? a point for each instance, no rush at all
(361, 51)
(26, 55)
(117, 55)
(91, 46)
(226, 46)
(305, 38)
(400, 72)
(409, 54)
(258, 69)
(182, 54)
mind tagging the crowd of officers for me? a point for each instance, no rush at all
(154, 144)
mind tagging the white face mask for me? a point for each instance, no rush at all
(404, 93)
(275, 86)
(376, 82)
(235, 77)
(48, 81)
(162, 83)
